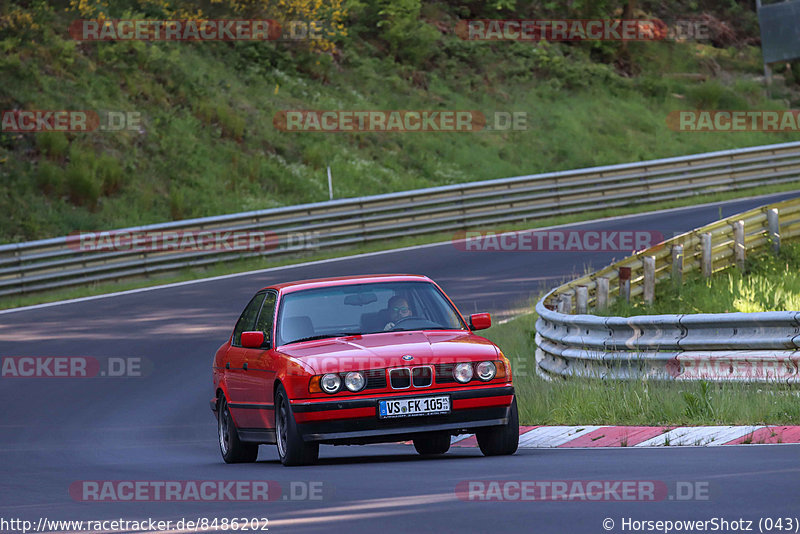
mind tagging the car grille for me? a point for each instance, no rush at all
(376, 378)
(444, 373)
(422, 376)
(400, 378)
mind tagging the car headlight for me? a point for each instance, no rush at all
(463, 372)
(330, 383)
(486, 370)
(355, 381)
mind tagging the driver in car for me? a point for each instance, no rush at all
(398, 310)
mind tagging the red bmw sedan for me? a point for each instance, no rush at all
(359, 360)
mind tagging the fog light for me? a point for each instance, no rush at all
(485, 370)
(330, 383)
(354, 381)
(463, 372)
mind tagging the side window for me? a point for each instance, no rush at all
(264, 322)
(247, 319)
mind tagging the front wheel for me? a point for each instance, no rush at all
(233, 450)
(292, 450)
(501, 440)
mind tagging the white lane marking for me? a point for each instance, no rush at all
(368, 254)
(553, 436)
(685, 435)
(707, 436)
(733, 433)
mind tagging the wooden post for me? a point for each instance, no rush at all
(738, 244)
(649, 279)
(582, 299)
(774, 229)
(625, 283)
(677, 264)
(707, 260)
(602, 293)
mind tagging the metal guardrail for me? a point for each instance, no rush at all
(753, 347)
(52, 263)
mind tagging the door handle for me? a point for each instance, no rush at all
(245, 366)
(227, 365)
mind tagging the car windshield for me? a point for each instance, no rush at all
(364, 309)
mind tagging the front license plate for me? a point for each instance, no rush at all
(413, 406)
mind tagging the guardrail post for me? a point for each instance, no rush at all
(774, 229)
(565, 303)
(582, 299)
(649, 279)
(602, 293)
(738, 244)
(625, 283)
(706, 260)
(677, 264)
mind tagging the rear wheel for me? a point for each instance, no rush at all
(501, 440)
(292, 450)
(232, 448)
(433, 444)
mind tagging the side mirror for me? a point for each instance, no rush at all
(477, 321)
(253, 340)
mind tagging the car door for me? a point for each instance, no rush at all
(260, 375)
(236, 366)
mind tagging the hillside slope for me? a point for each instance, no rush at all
(207, 144)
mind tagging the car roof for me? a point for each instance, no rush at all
(289, 287)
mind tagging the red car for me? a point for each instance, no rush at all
(359, 360)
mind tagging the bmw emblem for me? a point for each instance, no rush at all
(408, 357)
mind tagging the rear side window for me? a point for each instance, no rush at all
(248, 318)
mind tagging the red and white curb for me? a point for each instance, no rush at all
(532, 437)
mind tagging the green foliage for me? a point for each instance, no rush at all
(83, 185)
(50, 178)
(714, 95)
(54, 145)
(698, 404)
(110, 174)
(396, 23)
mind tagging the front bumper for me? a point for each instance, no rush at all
(355, 421)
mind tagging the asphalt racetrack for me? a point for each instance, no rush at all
(57, 432)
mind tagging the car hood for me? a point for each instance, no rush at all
(386, 349)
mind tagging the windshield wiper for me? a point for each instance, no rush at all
(422, 328)
(324, 336)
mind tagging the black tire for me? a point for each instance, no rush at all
(233, 450)
(292, 450)
(501, 440)
(432, 444)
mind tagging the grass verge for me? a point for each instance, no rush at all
(767, 283)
